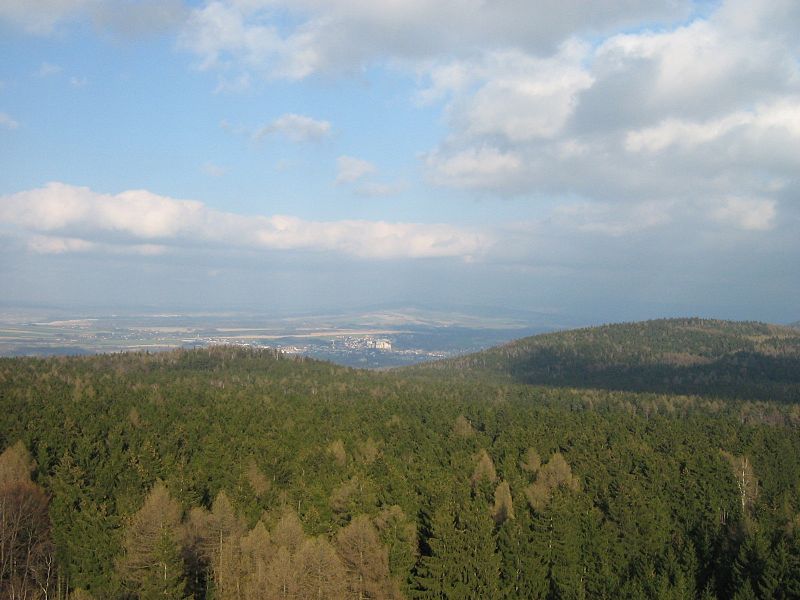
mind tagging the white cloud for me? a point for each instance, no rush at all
(443, 80)
(685, 133)
(6, 122)
(347, 35)
(49, 244)
(297, 128)
(45, 244)
(481, 167)
(514, 95)
(750, 214)
(219, 33)
(697, 71)
(350, 169)
(60, 218)
(782, 117)
(644, 126)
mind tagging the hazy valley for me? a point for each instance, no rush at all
(370, 339)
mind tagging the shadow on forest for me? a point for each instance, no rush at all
(741, 375)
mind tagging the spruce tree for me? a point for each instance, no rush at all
(463, 562)
(523, 572)
(165, 580)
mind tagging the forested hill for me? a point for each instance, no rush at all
(233, 474)
(688, 356)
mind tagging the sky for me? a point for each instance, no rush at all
(606, 161)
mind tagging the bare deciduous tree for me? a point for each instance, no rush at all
(27, 559)
(365, 559)
(321, 573)
(151, 553)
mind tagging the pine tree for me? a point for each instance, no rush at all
(165, 579)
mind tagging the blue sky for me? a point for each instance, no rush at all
(603, 161)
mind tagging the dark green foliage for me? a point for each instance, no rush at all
(523, 561)
(166, 581)
(686, 356)
(643, 501)
(461, 561)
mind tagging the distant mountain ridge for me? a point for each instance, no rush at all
(687, 356)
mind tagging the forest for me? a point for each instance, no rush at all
(232, 473)
(744, 360)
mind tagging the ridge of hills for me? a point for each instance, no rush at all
(732, 359)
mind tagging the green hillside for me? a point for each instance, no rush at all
(232, 474)
(686, 356)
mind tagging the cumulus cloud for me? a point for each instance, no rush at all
(512, 95)
(700, 117)
(60, 218)
(297, 128)
(475, 167)
(350, 169)
(744, 127)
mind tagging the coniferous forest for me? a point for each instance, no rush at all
(653, 460)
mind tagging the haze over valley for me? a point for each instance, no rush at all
(372, 338)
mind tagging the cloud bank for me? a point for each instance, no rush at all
(61, 218)
(322, 36)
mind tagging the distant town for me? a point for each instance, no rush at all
(370, 340)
